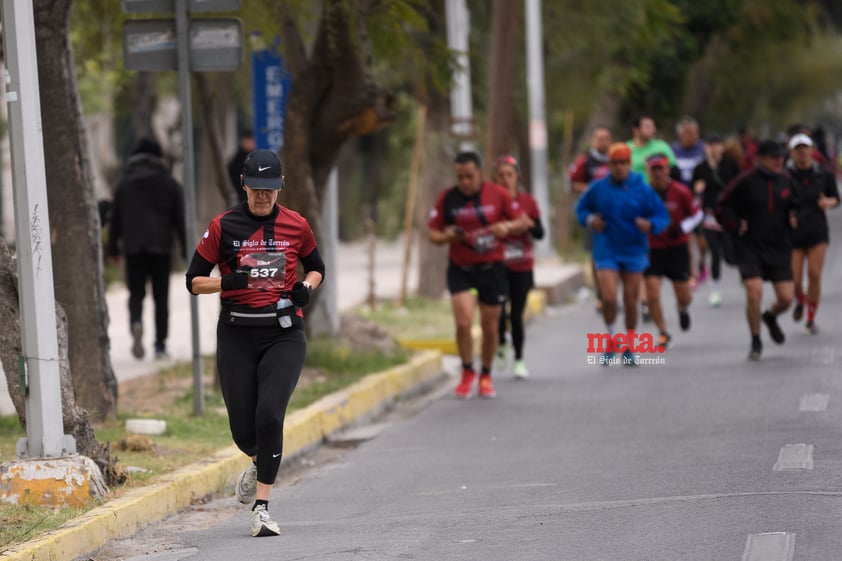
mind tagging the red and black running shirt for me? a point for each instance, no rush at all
(474, 214)
(681, 204)
(517, 250)
(267, 248)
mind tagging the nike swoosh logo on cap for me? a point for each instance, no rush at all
(262, 169)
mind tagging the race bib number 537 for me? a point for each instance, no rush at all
(265, 270)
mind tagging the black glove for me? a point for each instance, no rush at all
(674, 231)
(235, 281)
(300, 294)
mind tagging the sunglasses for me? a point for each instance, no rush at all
(619, 162)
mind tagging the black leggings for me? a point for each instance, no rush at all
(520, 283)
(258, 370)
(714, 239)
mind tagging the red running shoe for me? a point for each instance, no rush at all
(486, 388)
(463, 390)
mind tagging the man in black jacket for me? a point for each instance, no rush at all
(758, 207)
(148, 211)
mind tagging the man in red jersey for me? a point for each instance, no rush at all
(669, 255)
(471, 217)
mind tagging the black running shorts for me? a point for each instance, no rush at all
(671, 262)
(774, 268)
(488, 279)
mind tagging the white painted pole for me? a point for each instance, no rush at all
(182, 24)
(538, 122)
(461, 107)
(44, 426)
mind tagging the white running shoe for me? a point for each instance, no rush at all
(246, 489)
(501, 358)
(519, 371)
(715, 299)
(262, 524)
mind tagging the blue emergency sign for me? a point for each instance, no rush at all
(270, 87)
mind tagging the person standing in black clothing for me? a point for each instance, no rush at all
(708, 181)
(260, 351)
(817, 191)
(235, 164)
(759, 208)
(147, 214)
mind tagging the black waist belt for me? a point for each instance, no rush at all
(475, 267)
(272, 315)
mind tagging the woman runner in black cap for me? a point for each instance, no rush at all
(257, 246)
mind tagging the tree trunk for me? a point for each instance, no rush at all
(75, 419)
(143, 108)
(77, 247)
(436, 175)
(333, 98)
(214, 98)
(501, 80)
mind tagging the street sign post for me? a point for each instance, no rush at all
(168, 6)
(186, 45)
(216, 45)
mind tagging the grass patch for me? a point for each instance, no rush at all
(21, 523)
(418, 318)
(329, 367)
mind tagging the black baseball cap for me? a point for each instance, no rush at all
(262, 170)
(771, 148)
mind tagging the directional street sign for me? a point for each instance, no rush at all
(216, 45)
(193, 6)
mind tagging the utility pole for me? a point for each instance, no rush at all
(461, 108)
(41, 375)
(538, 121)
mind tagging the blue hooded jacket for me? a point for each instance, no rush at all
(619, 205)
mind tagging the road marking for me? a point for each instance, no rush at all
(795, 456)
(770, 546)
(823, 355)
(814, 402)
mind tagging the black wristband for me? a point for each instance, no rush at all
(234, 281)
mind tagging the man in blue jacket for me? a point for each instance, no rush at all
(621, 209)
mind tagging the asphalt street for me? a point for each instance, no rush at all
(706, 457)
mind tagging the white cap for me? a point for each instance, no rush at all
(800, 139)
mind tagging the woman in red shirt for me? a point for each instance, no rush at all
(519, 260)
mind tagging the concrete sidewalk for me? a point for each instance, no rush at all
(559, 280)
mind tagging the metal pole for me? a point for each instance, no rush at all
(330, 231)
(44, 426)
(538, 121)
(461, 108)
(182, 26)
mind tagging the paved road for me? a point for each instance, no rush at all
(580, 462)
